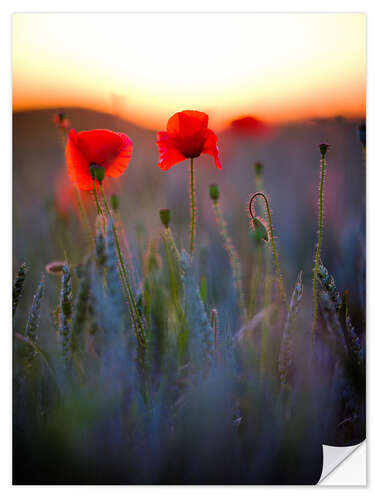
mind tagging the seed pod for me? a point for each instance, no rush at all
(97, 172)
(34, 314)
(214, 192)
(18, 285)
(323, 149)
(260, 229)
(165, 217)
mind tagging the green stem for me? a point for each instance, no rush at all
(98, 207)
(214, 327)
(267, 289)
(172, 244)
(317, 255)
(254, 286)
(265, 322)
(83, 217)
(193, 207)
(122, 235)
(275, 258)
(137, 321)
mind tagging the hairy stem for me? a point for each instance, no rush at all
(136, 318)
(171, 243)
(267, 289)
(275, 258)
(255, 280)
(214, 326)
(320, 236)
(193, 207)
(98, 207)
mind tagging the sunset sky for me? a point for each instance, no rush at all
(145, 67)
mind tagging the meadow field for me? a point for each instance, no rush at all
(143, 357)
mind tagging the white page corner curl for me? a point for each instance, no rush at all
(333, 456)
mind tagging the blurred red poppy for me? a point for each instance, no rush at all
(61, 121)
(187, 136)
(105, 148)
(251, 126)
(64, 195)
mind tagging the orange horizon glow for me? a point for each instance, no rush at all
(145, 67)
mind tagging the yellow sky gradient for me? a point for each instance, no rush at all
(145, 67)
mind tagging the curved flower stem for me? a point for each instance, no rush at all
(193, 207)
(137, 321)
(320, 236)
(267, 289)
(233, 256)
(275, 258)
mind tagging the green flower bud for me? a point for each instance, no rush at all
(258, 168)
(97, 172)
(260, 229)
(323, 149)
(115, 202)
(165, 217)
(214, 192)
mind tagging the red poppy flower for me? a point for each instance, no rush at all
(251, 126)
(111, 150)
(187, 136)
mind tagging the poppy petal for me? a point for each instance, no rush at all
(210, 148)
(119, 163)
(99, 146)
(169, 154)
(187, 123)
(78, 165)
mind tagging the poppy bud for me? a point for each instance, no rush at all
(97, 172)
(165, 217)
(214, 192)
(323, 149)
(260, 229)
(258, 168)
(115, 202)
(362, 133)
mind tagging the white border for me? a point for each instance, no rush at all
(6, 9)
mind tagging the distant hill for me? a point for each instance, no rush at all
(38, 152)
(35, 133)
